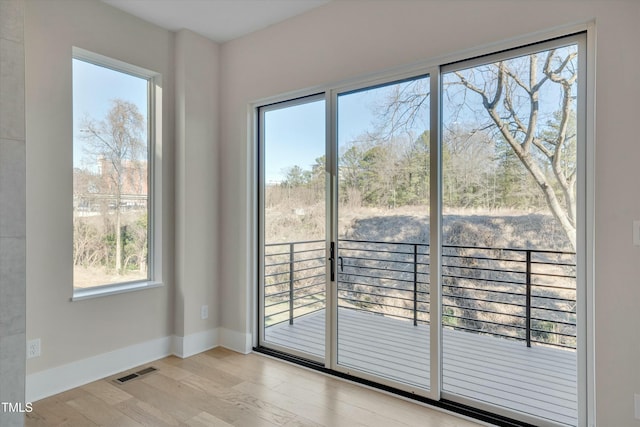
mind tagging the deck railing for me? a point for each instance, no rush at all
(521, 294)
(294, 275)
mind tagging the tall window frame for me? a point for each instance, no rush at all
(586, 185)
(150, 178)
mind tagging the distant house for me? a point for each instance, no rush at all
(97, 190)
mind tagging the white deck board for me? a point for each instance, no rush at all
(540, 381)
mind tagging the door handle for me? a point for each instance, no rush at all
(332, 261)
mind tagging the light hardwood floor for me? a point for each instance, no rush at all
(224, 388)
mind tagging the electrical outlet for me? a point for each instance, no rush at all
(204, 312)
(33, 348)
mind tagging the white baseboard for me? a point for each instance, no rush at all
(61, 378)
(75, 374)
(236, 341)
(195, 343)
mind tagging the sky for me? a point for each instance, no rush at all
(295, 135)
(93, 89)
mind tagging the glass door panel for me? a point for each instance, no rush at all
(509, 190)
(382, 254)
(293, 227)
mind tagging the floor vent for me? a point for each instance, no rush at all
(135, 375)
(127, 378)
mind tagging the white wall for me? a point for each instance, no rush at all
(76, 331)
(345, 39)
(196, 159)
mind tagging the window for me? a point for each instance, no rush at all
(113, 169)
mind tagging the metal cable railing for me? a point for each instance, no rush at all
(521, 294)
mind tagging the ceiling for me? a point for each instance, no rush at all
(218, 20)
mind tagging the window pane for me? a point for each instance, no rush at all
(110, 176)
(509, 182)
(383, 288)
(294, 215)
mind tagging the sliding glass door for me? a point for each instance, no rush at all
(382, 234)
(510, 227)
(426, 232)
(293, 227)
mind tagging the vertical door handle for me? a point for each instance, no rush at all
(332, 261)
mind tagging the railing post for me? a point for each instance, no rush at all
(291, 261)
(415, 284)
(528, 297)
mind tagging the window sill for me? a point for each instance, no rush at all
(100, 291)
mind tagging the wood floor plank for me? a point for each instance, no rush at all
(170, 367)
(147, 414)
(245, 405)
(208, 367)
(100, 412)
(56, 413)
(162, 399)
(307, 412)
(220, 388)
(205, 419)
(107, 392)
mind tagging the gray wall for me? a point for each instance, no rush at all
(12, 209)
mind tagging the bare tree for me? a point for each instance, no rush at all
(118, 143)
(511, 98)
(87, 247)
(527, 101)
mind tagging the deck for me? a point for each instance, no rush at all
(539, 381)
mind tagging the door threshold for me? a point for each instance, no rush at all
(454, 407)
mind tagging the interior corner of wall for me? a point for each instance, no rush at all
(189, 345)
(237, 341)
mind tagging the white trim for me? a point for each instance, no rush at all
(246, 343)
(49, 382)
(435, 235)
(331, 212)
(114, 64)
(239, 342)
(155, 156)
(255, 226)
(80, 294)
(192, 344)
(155, 238)
(589, 349)
(75, 374)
